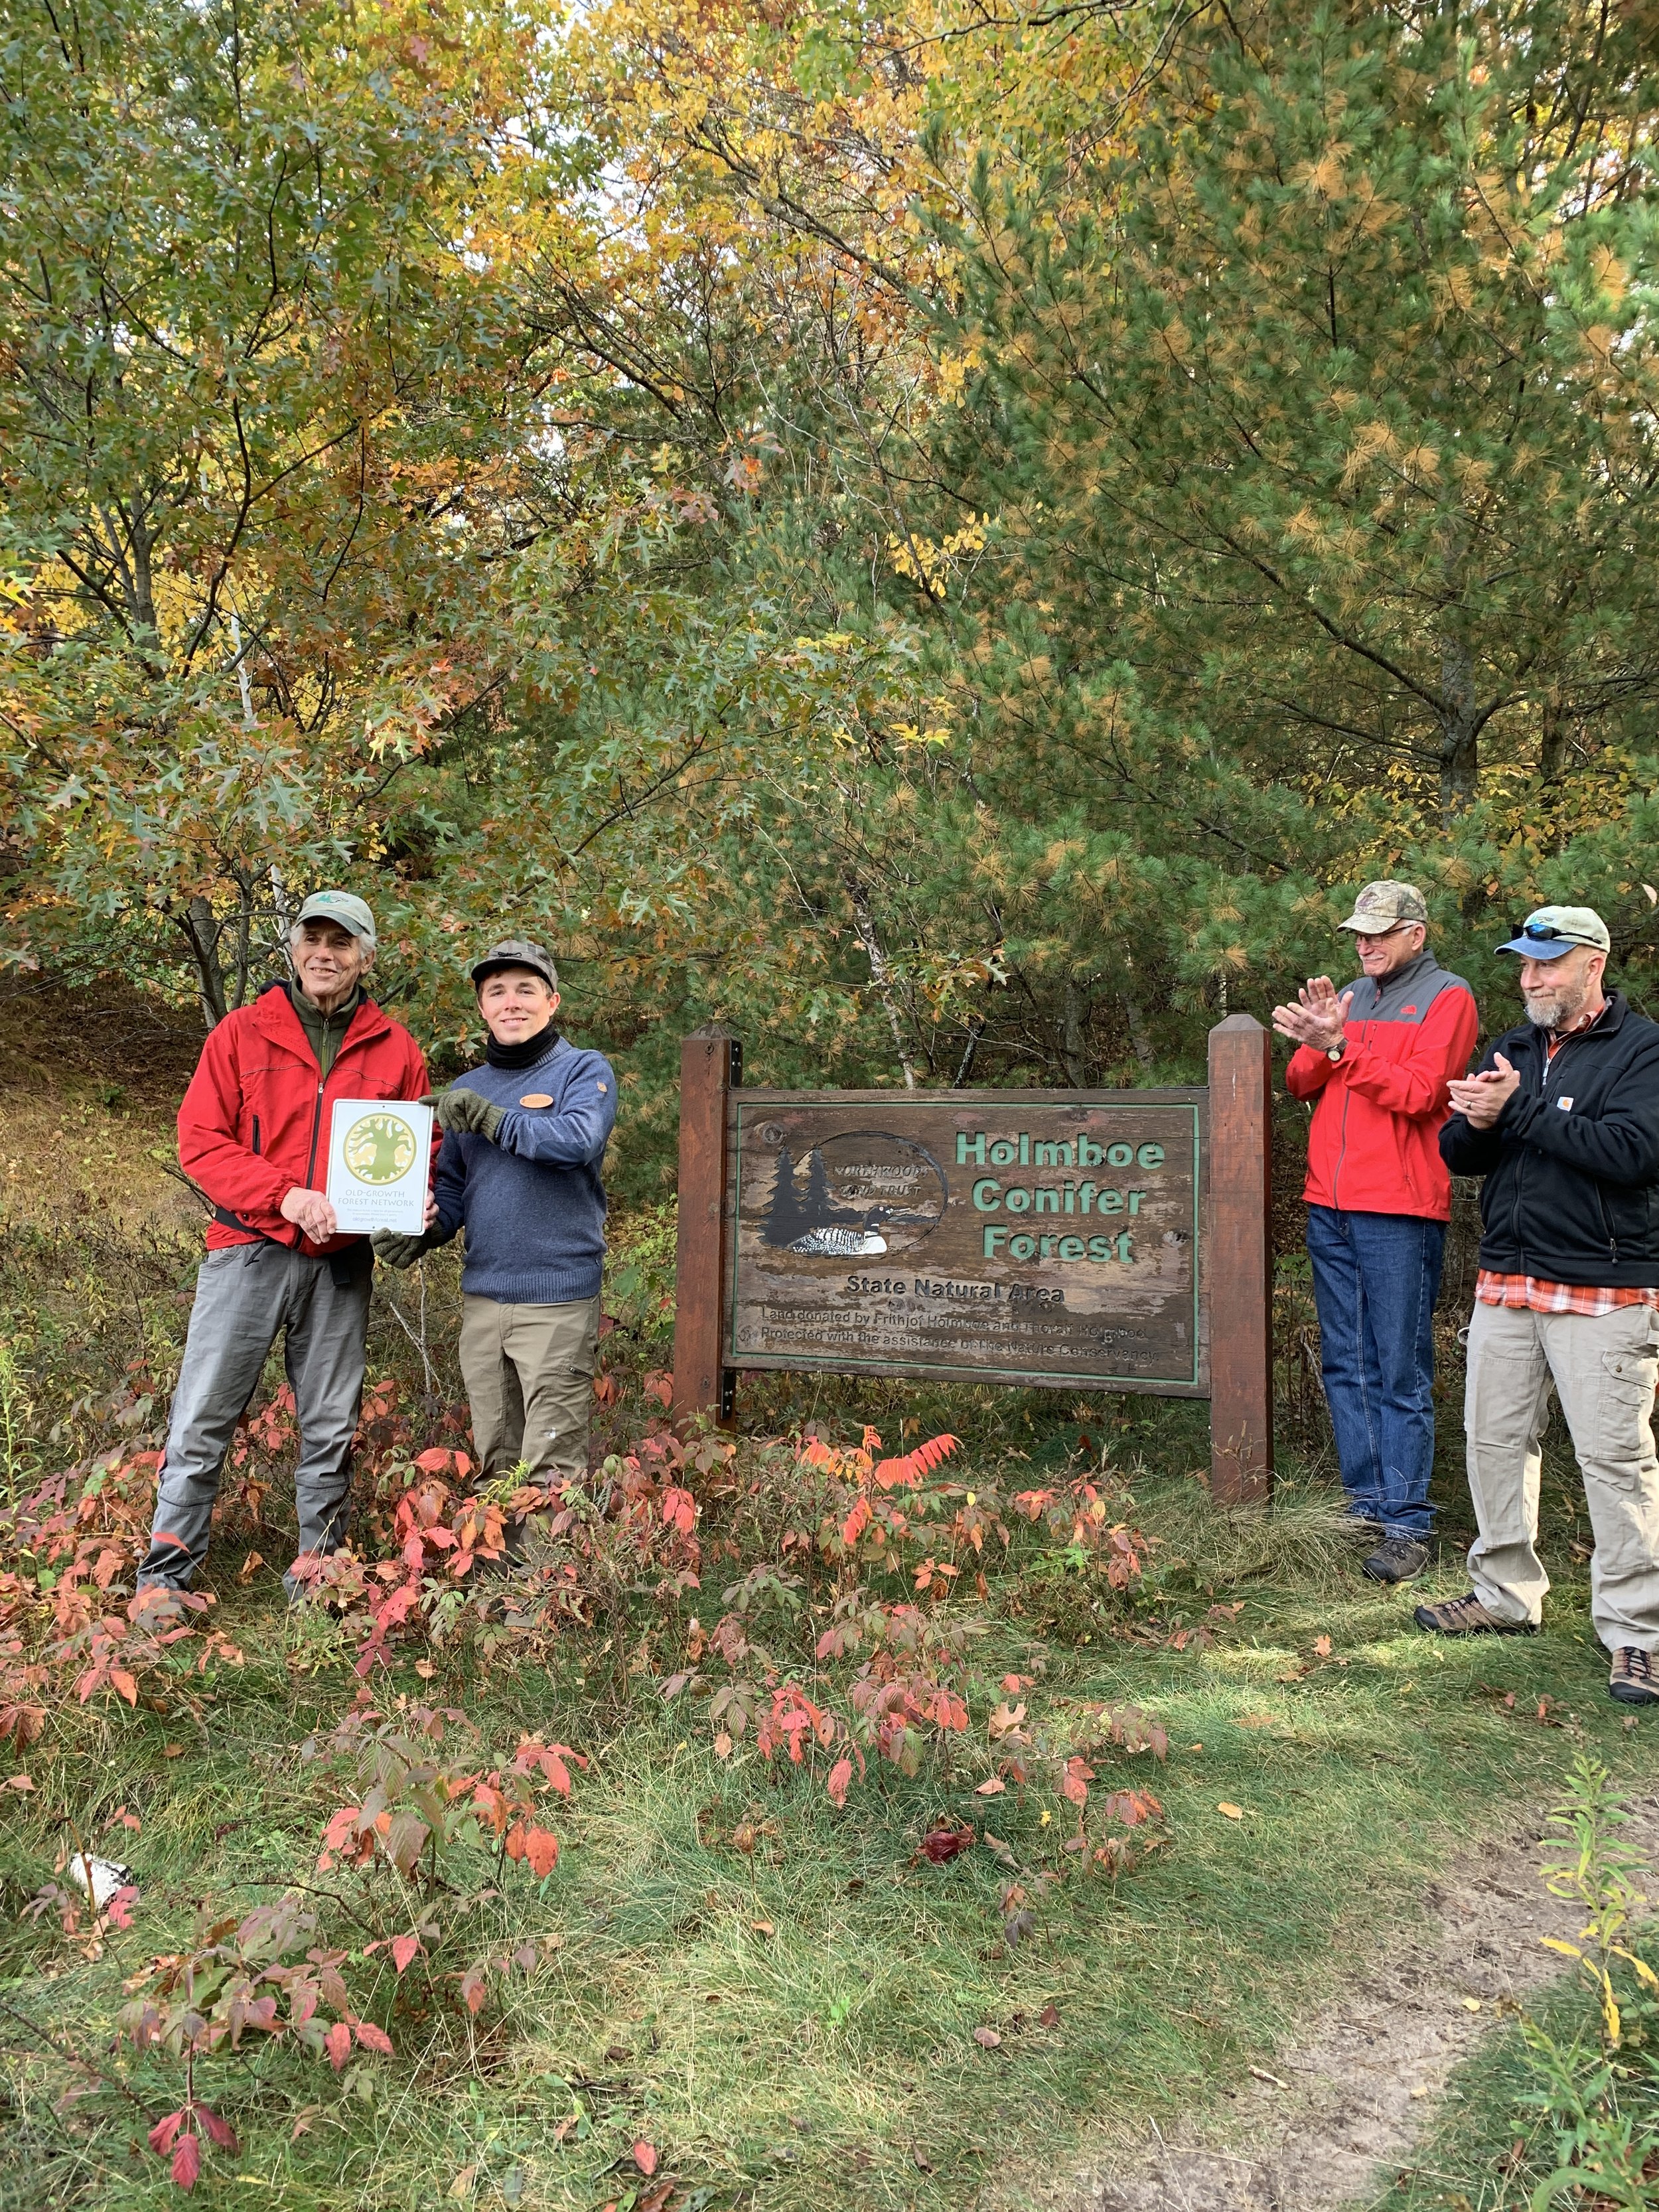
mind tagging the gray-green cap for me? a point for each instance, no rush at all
(1382, 906)
(341, 907)
(516, 952)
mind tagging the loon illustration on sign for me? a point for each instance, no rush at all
(855, 1195)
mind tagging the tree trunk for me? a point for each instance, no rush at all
(202, 932)
(880, 974)
(1460, 748)
(1074, 1051)
(1553, 741)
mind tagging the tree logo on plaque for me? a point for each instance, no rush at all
(853, 1196)
(379, 1148)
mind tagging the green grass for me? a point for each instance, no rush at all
(836, 2065)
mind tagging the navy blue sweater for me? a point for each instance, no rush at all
(532, 1203)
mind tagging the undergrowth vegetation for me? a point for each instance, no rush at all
(867, 1807)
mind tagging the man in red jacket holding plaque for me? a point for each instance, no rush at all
(253, 1133)
(1376, 1059)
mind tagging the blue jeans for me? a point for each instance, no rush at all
(1376, 1277)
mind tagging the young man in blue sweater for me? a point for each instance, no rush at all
(524, 1139)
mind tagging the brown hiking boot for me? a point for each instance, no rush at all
(1467, 1616)
(1633, 1679)
(1398, 1560)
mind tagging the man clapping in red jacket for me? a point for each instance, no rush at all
(253, 1133)
(1376, 1059)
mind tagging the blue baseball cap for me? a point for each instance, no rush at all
(1550, 930)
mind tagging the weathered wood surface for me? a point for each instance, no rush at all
(711, 1061)
(1047, 1237)
(1240, 1260)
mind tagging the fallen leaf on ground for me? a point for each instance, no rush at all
(1421, 2090)
(987, 2038)
(722, 1746)
(1321, 1647)
(250, 1566)
(1261, 2074)
(762, 1927)
(425, 1669)
(173, 1751)
(946, 1841)
(1258, 1720)
(994, 1788)
(617, 2052)
(645, 2157)
(1049, 2016)
(1471, 2004)
(462, 2184)
(1232, 1811)
(924, 2163)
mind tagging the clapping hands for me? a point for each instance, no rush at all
(1481, 1098)
(1320, 1017)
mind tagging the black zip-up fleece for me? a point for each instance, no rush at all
(1571, 1194)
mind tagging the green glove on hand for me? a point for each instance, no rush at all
(465, 1113)
(397, 1249)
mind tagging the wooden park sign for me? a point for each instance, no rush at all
(1086, 1240)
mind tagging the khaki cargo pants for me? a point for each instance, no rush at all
(528, 1375)
(1603, 1367)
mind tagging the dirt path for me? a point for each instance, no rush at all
(1353, 2094)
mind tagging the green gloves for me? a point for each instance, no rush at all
(397, 1249)
(465, 1113)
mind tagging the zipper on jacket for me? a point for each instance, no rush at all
(317, 1113)
(1342, 1135)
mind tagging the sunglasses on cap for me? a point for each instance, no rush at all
(1545, 932)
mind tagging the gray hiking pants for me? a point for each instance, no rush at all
(245, 1295)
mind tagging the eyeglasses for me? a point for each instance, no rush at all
(1376, 936)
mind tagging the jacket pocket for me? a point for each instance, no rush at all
(256, 1133)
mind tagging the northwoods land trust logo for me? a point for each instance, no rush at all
(379, 1148)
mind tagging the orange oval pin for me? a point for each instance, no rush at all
(535, 1098)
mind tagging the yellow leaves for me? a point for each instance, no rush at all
(929, 564)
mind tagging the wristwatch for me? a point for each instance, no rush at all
(1334, 1052)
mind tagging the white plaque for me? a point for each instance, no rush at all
(379, 1153)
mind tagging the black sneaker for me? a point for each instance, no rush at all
(1397, 1560)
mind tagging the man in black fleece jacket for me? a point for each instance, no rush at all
(1562, 1119)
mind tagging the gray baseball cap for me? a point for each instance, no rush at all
(341, 907)
(1383, 906)
(516, 952)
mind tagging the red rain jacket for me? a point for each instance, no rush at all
(1374, 1146)
(254, 1120)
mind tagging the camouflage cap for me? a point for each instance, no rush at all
(1384, 905)
(516, 952)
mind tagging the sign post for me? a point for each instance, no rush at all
(1115, 1240)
